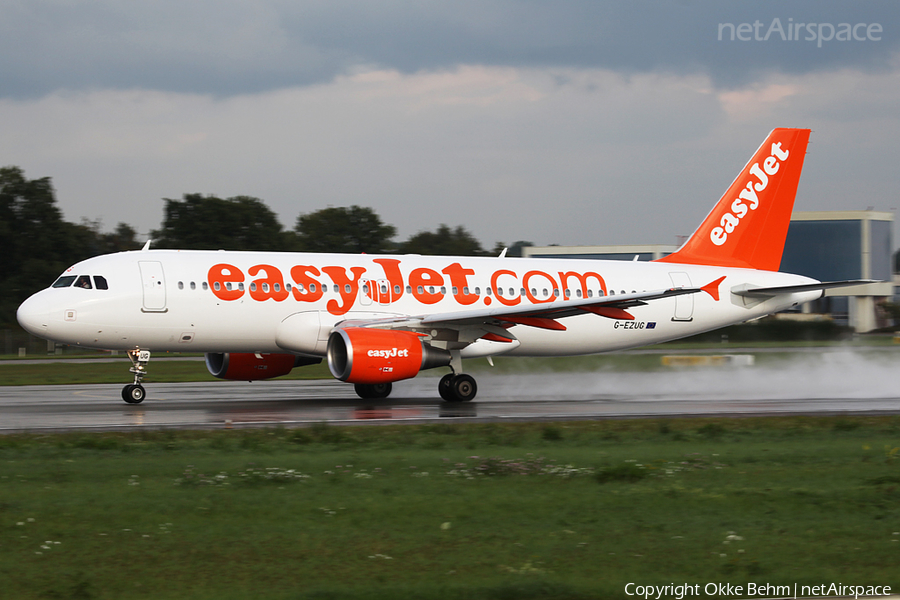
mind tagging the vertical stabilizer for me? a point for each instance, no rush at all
(748, 226)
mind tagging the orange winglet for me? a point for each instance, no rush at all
(610, 312)
(539, 322)
(712, 288)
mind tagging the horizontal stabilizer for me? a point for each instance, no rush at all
(793, 289)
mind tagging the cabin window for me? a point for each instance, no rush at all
(488, 291)
(276, 287)
(420, 289)
(312, 287)
(228, 285)
(568, 293)
(180, 285)
(253, 287)
(241, 286)
(265, 287)
(365, 288)
(83, 281)
(499, 291)
(337, 290)
(100, 282)
(522, 292)
(347, 288)
(216, 285)
(64, 281)
(206, 286)
(477, 291)
(397, 289)
(193, 285)
(443, 290)
(578, 293)
(409, 289)
(555, 293)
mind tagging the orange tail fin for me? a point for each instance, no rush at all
(748, 226)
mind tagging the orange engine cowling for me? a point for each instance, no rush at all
(245, 366)
(359, 355)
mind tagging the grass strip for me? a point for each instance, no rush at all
(487, 511)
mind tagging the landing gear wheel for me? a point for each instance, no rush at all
(133, 394)
(457, 388)
(444, 387)
(373, 390)
(463, 387)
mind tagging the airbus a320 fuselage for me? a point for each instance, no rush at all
(382, 319)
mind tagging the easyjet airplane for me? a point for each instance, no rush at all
(381, 319)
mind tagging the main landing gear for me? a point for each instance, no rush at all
(134, 393)
(452, 388)
(457, 388)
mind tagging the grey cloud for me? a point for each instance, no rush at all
(226, 48)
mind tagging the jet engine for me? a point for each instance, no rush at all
(246, 366)
(371, 356)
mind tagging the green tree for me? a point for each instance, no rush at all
(444, 241)
(36, 243)
(209, 223)
(352, 230)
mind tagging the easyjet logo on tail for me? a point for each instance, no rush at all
(732, 220)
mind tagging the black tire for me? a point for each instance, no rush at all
(373, 390)
(381, 390)
(133, 394)
(463, 388)
(444, 388)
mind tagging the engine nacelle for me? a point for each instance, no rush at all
(360, 355)
(245, 366)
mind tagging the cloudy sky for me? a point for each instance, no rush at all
(571, 122)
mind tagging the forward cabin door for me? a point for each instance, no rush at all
(684, 304)
(154, 285)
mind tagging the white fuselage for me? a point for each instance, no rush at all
(199, 301)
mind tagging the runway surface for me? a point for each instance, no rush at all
(827, 383)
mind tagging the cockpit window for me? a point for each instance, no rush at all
(83, 281)
(64, 281)
(100, 282)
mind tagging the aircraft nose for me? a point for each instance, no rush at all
(34, 315)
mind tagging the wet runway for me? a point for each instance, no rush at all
(832, 383)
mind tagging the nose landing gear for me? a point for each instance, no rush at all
(134, 393)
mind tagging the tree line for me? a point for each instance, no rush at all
(37, 244)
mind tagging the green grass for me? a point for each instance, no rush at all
(402, 512)
(115, 369)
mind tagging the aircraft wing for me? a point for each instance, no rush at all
(534, 315)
